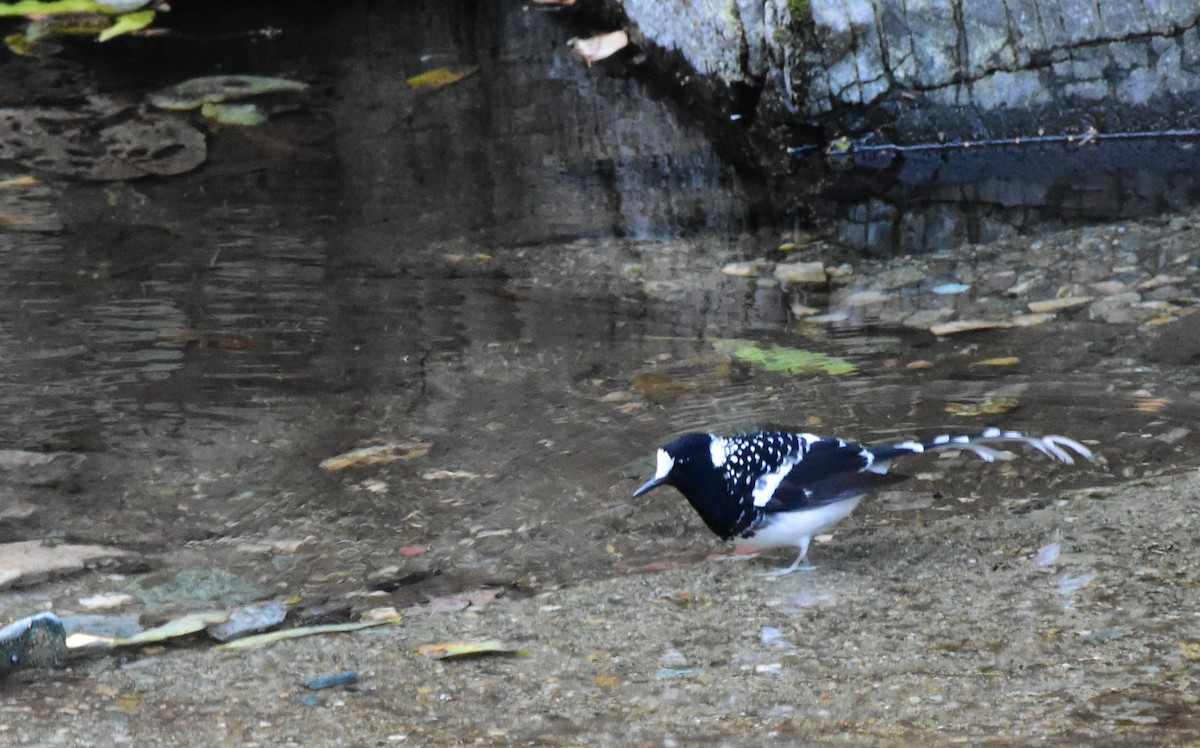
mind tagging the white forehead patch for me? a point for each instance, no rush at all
(717, 446)
(665, 463)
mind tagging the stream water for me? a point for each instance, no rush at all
(523, 271)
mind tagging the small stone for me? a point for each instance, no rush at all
(1109, 287)
(1116, 309)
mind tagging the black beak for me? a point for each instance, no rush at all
(650, 485)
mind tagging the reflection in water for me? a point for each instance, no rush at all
(890, 204)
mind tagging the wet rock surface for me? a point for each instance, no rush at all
(927, 71)
(958, 630)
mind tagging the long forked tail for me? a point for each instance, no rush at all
(1055, 447)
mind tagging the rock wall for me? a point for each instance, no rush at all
(953, 68)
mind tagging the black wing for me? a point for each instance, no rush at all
(831, 470)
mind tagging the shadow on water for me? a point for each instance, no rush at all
(522, 270)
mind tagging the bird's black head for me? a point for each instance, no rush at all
(692, 464)
(679, 461)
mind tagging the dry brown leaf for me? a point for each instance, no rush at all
(1054, 305)
(440, 78)
(379, 454)
(455, 650)
(1031, 320)
(24, 181)
(1001, 361)
(969, 325)
(602, 46)
(1151, 404)
(990, 406)
(1160, 280)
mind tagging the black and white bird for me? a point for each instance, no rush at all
(776, 489)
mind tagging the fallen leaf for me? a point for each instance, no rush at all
(1160, 280)
(379, 454)
(1151, 404)
(240, 115)
(658, 386)
(449, 475)
(51, 7)
(1054, 305)
(990, 406)
(597, 48)
(127, 23)
(460, 650)
(27, 180)
(440, 78)
(1031, 320)
(413, 550)
(18, 509)
(969, 325)
(183, 626)
(215, 89)
(23, 46)
(1002, 361)
(104, 601)
(743, 269)
(380, 614)
(794, 360)
(801, 273)
(605, 681)
(260, 640)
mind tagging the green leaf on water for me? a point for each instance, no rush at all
(57, 7)
(794, 360)
(127, 23)
(246, 115)
(215, 89)
(435, 79)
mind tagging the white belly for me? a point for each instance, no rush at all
(788, 529)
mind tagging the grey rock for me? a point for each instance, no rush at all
(1178, 343)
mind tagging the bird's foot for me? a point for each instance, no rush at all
(788, 570)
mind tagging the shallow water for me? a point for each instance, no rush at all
(521, 270)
